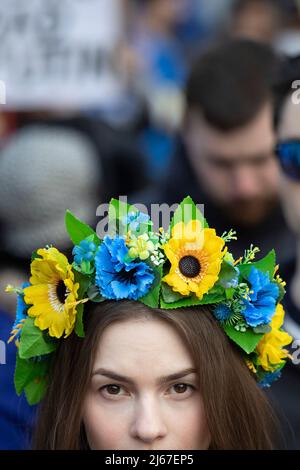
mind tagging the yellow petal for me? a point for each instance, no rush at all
(193, 230)
(38, 292)
(178, 231)
(177, 284)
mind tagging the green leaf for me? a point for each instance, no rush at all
(94, 294)
(228, 274)
(229, 293)
(247, 340)
(84, 284)
(184, 302)
(262, 329)
(85, 268)
(171, 299)
(186, 211)
(266, 265)
(214, 296)
(24, 373)
(34, 342)
(28, 373)
(168, 294)
(78, 230)
(35, 390)
(152, 298)
(143, 228)
(245, 270)
(79, 328)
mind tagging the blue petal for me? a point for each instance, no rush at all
(263, 297)
(269, 378)
(122, 290)
(84, 244)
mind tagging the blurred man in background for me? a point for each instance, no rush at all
(225, 157)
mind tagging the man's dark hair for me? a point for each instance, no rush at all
(231, 82)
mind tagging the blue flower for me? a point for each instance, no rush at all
(21, 315)
(222, 312)
(269, 378)
(263, 295)
(117, 275)
(134, 219)
(85, 251)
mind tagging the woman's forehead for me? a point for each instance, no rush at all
(138, 344)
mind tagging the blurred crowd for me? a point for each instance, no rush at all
(208, 107)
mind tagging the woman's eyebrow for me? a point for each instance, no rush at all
(122, 378)
(177, 375)
(113, 375)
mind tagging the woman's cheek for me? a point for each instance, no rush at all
(193, 432)
(103, 425)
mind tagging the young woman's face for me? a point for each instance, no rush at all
(144, 391)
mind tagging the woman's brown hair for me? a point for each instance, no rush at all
(238, 413)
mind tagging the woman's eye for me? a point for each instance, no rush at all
(112, 390)
(181, 388)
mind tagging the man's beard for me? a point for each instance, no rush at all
(248, 213)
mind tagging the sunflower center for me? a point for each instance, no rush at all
(189, 266)
(61, 291)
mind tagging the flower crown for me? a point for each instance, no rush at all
(186, 265)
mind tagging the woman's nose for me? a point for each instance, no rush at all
(147, 423)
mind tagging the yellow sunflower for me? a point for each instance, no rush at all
(270, 351)
(53, 293)
(196, 255)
